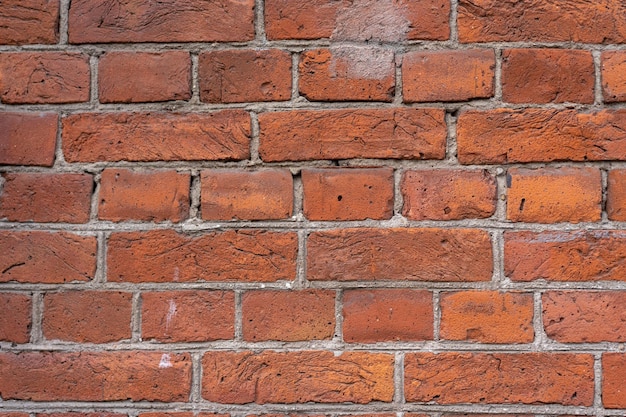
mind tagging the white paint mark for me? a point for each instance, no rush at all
(170, 314)
(372, 20)
(165, 361)
(288, 284)
(361, 62)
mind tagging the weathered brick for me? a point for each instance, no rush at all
(77, 414)
(288, 315)
(187, 316)
(143, 195)
(540, 135)
(552, 195)
(383, 315)
(304, 135)
(613, 380)
(43, 197)
(93, 21)
(347, 73)
(616, 195)
(87, 316)
(547, 76)
(487, 316)
(448, 194)
(44, 257)
(600, 21)
(448, 75)
(614, 76)
(15, 321)
(44, 77)
(435, 255)
(167, 256)
(296, 377)
(29, 22)
(348, 193)
(565, 256)
(491, 378)
(95, 376)
(135, 77)
(93, 137)
(238, 76)
(252, 195)
(28, 138)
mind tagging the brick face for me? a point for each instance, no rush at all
(28, 139)
(29, 22)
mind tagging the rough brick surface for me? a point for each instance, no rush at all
(348, 193)
(360, 133)
(44, 197)
(448, 194)
(613, 371)
(187, 316)
(87, 316)
(448, 75)
(29, 22)
(95, 376)
(167, 256)
(92, 137)
(547, 76)
(28, 138)
(44, 77)
(296, 377)
(616, 195)
(613, 76)
(143, 195)
(384, 315)
(487, 316)
(527, 378)
(236, 76)
(146, 76)
(254, 195)
(288, 315)
(15, 322)
(399, 254)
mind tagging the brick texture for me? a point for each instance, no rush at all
(28, 139)
(15, 326)
(29, 22)
(613, 78)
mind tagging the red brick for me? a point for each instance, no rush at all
(43, 197)
(14, 414)
(76, 414)
(348, 193)
(547, 76)
(383, 315)
(135, 77)
(540, 135)
(584, 317)
(435, 255)
(448, 194)
(29, 21)
(565, 256)
(600, 21)
(93, 21)
(448, 75)
(614, 76)
(552, 195)
(95, 376)
(28, 138)
(304, 135)
(238, 76)
(491, 378)
(347, 73)
(94, 137)
(181, 414)
(251, 195)
(487, 316)
(44, 77)
(297, 377)
(167, 256)
(44, 257)
(613, 380)
(15, 322)
(143, 195)
(288, 315)
(616, 195)
(188, 316)
(87, 316)
(361, 20)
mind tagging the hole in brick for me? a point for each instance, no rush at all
(521, 204)
(339, 198)
(447, 210)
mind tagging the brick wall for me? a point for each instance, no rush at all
(391, 208)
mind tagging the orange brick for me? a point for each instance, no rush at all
(614, 76)
(288, 315)
(552, 195)
(383, 315)
(247, 195)
(28, 138)
(487, 316)
(29, 22)
(613, 380)
(616, 195)
(448, 75)
(15, 322)
(348, 193)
